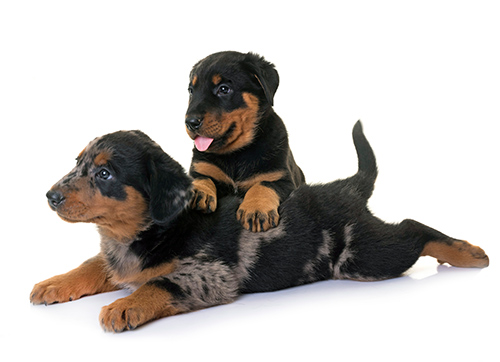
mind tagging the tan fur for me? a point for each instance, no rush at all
(244, 120)
(257, 179)
(81, 153)
(205, 195)
(88, 279)
(216, 79)
(136, 277)
(102, 158)
(210, 170)
(120, 220)
(259, 209)
(460, 254)
(214, 172)
(146, 304)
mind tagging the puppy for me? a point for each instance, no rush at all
(177, 260)
(241, 145)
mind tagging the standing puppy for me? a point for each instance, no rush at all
(241, 144)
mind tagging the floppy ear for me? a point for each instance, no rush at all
(170, 188)
(266, 75)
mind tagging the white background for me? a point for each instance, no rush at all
(425, 80)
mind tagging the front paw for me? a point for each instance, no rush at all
(259, 209)
(120, 316)
(88, 279)
(57, 289)
(144, 305)
(257, 220)
(204, 196)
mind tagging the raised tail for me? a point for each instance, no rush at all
(367, 164)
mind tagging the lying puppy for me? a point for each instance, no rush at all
(241, 145)
(177, 260)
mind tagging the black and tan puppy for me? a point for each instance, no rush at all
(178, 260)
(241, 145)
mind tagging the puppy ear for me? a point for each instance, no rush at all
(169, 188)
(266, 75)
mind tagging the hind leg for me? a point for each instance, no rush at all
(459, 253)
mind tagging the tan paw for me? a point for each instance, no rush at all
(459, 253)
(144, 305)
(204, 195)
(256, 220)
(57, 289)
(259, 209)
(120, 316)
(88, 279)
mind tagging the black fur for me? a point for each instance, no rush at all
(326, 232)
(243, 147)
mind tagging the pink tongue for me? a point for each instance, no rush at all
(202, 143)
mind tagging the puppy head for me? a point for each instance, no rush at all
(229, 91)
(122, 182)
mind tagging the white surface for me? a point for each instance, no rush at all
(425, 81)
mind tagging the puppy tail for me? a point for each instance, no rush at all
(367, 164)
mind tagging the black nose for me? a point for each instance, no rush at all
(193, 123)
(55, 198)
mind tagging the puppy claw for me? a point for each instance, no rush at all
(204, 197)
(258, 221)
(114, 319)
(54, 290)
(124, 315)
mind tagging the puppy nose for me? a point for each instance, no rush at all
(55, 198)
(193, 123)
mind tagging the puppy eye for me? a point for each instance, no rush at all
(223, 90)
(104, 174)
(190, 90)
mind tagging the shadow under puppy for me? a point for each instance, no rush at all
(177, 260)
(241, 144)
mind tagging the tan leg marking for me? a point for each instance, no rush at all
(88, 279)
(460, 254)
(144, 305)
(205, 195)
(259, 209)
(257, 179)
(210, 170)
(135, 277)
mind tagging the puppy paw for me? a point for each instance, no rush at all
(58, 289)
(459, 253)
(259, 209)
(144, 305)
(88, 279)
(204, 195)
(120, 316)
(257, 220)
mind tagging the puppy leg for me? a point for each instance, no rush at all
(259, 209)
(205, 195)
(88, 279)
(147, 303)
(459, 253)
(193, 286)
